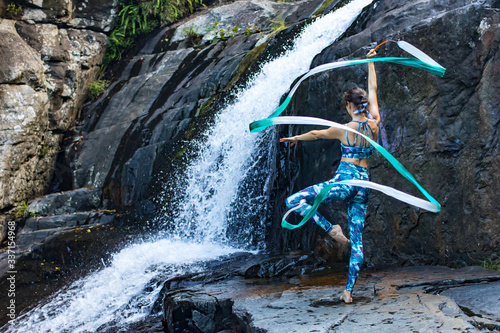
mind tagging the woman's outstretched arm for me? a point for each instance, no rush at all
(372, 88)
(329, 133)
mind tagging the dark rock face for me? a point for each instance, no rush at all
(444, 130)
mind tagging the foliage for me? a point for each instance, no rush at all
(193, 35)
(97, 87)
(491, 263)
(21, 210)
(250, 29)
(220, 32)
(229, 32)
(13, 10)
(45, 149)
(137, 18)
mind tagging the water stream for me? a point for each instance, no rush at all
(218, 201)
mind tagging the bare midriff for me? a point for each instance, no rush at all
(358, 161)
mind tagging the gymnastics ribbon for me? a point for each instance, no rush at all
(422, 61)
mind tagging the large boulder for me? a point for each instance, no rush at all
(19, 63)
(444, 130)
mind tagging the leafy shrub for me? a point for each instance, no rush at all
(13, 10)
(135, 19)
(192, 35)
(97, 87)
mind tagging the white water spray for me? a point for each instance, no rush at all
(116, 295)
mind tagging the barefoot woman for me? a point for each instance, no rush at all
(363, 109)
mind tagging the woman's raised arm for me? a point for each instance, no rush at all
(372, 88)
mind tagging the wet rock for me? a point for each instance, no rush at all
(434, 126)
(38, 232)
(284, 266)
(478, 300)
(58, 221)
(239, 15)
(311, 303)
(199, 312)
(80, 200)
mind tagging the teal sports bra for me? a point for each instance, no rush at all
(361, 150)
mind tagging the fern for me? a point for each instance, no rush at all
(139, 18)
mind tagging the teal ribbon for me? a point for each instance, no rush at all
(412, 62)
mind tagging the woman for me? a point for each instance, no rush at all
(356, 151)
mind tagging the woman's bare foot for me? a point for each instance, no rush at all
(346, 297)
(336, 233)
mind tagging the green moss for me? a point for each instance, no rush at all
(246, 63)
(97, 88)
(192, 35)
(45, 149)
(180, 152)
(278, 24)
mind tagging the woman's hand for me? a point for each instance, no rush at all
(293, 140)
(371, 54)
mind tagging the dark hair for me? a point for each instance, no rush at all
(357, 96)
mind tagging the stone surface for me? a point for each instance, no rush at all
(97, 15)
(444, 130)
(311, 304)
(481, 300)
(44, 73)
(19, 63)
(259, 15)
(80, 200)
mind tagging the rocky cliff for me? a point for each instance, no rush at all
(49, 52)
(444, 130)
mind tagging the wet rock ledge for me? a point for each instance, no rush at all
(416, 299)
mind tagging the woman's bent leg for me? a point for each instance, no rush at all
(337, 193)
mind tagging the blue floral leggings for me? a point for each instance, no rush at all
(357, 202)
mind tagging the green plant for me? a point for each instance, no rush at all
(491, 263)
(13, 10)
(20, 210)
(250, 29)
(97, 87)
(192, 35)
(45, 149)
(220, 32)
(138, 18)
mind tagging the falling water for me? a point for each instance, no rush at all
(218, 193)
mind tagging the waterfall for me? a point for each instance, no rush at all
(215, 202)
